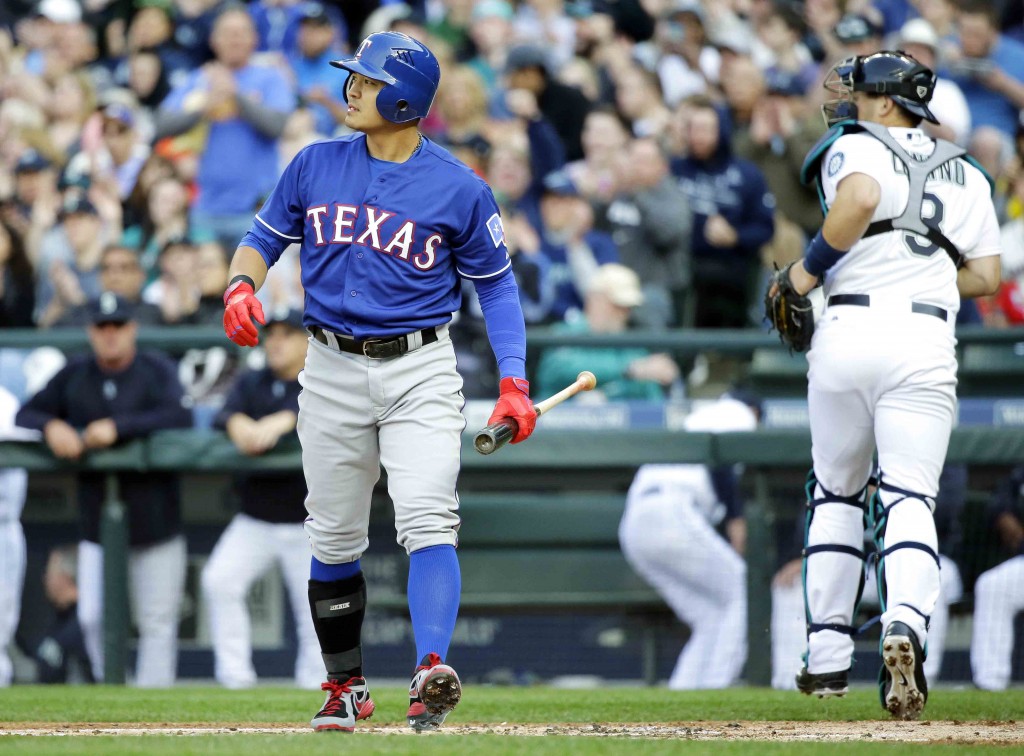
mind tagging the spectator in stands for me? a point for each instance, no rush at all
(491, 31)
(639, 99)
(732, 218)
(72, 101)
(212, 276)
(193, 28)
(17, 284)
(96, 401)
(320, 86)
(683, 531)
(151, 31)
(165, 218)
(990, 69)
(569, 241)
(514, 184)
(686, 61)
(781, 134)
(146, 78)
(244, 106)
(650, 225)
(528, 67)
(613, 292)
(13, 486)
(604, 140)
(120, 273)
(782, 31)
(176, 291)
(859, 34)
(919, 40)
(61, 656)
(35, 189)
(789, 623)
(69, 265)
(463, 117)
(999, 592)
(112, 149)
(744, 87)
(261, 411)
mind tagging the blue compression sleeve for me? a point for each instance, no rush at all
(506, 329)
(435, 584)
(820, 256)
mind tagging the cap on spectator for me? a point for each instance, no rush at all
(60, 11)
(314, 13)
(76, 204)
(693, 7)
(783, 83)
(289, 316)
(617, 282)
(111, 308)
(560, 183)
(31, 161)
(854, 27)
(527, 56)
(492, 9)
(734, 37)
(917, 31)
(118, 111)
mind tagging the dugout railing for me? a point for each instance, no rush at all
(555, 461)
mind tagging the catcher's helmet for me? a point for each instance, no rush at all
(409, 70)
(890, 72)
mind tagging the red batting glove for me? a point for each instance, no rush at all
(514, 402)
(240, 308)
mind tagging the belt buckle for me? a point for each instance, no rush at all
(378, 349)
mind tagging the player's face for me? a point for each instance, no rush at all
(362, 112)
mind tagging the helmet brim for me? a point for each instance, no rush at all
(354, 65)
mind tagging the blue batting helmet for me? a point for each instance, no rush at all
(409, 70)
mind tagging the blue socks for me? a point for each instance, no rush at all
(328, 573)
(434, 587)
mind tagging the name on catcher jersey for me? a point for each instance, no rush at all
(899, 264)
(381, 251)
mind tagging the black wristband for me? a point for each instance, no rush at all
(246, 279)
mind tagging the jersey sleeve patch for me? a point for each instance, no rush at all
(835, 163)
(496, 229)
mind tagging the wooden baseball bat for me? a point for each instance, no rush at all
(496, 435)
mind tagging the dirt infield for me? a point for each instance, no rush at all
(1005, 733)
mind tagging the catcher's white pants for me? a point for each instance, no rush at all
(886, 377)
(356, 414)
(670, 544)
(12, 578)
(156, 584)
(998, 598)
(247, 549)
(789, 633)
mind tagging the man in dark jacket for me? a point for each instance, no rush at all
(565, 107)
(96, 401)
(732, 218)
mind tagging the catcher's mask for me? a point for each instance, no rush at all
(892, 73)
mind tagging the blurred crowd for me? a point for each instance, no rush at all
(138, 138)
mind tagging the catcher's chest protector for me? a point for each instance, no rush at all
(917, 169)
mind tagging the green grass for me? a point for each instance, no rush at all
(483, 704)
(478, 745)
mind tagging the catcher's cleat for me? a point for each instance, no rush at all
(346, 703)
(902, 686)
(434, 691)
(824, 685)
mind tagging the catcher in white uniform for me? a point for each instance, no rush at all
(668, 534)
(909, 229)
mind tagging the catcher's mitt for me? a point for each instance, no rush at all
(790, 313)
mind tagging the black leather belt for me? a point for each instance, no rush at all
(864, 300)
(378, 349)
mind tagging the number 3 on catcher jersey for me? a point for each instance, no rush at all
(918, 245)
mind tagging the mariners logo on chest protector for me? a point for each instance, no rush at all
(375, 228)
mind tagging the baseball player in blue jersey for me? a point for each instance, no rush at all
(388, 224)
